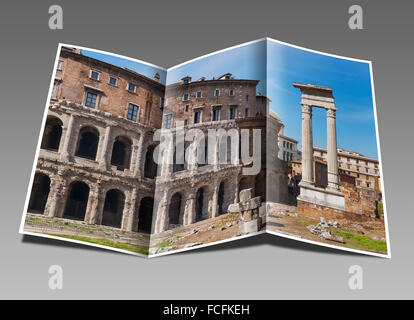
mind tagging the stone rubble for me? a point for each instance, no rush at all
(322, 230)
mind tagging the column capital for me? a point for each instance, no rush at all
(331, 113)
(306, 108)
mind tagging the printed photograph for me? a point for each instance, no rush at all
(94, 176)
(260, 137)
(212, 182)
(328, 150)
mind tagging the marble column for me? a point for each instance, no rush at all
(214, 204)
(189, 210)
(331, 144)
(129, 211)
(140, 154)
(93, 214)
(161, 223)
(103, 160)
(68, 136)
(54, 197)
(307, 145)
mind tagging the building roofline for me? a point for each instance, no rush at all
(215, 81)
(287, 138)
(126, 71)
(342, 153)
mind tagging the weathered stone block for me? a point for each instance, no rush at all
(249, 226)
(234, 208)
(255, 202)
(245, 195)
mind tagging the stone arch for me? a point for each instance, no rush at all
(88, 141)
(77, 201)
(176, 211)
(39, 194)
(202, 204)
(245, 183)
(52, 134)
(150, 167)
(113, 208)
(121, 153)
(220, 198)
(145, 214)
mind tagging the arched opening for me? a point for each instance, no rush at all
(175, 211)
(77, 201)
(150, 168)
(145, 215)
(121, 153)
(113, 208)
(201, 205)
(87, 143)
(39, 194)
(244, 184)
(220, 199)
(52, 134)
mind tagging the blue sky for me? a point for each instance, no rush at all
(351, 84)
(245, 62)
(141, 68)
(350, 81)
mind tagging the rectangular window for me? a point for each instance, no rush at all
(94, 75)
(186, 108)
(233, 110)
(185, 97)
(198, 94)
(185, 122)
(91, 99)
(59, 65)
(231, 93)
(216, 92)
(113, 81)
(247, 97)
(131, 87)
(246, 112)
(167, 121)
(216, 114)
(197, 116)
(132, 112)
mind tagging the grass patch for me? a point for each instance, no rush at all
(109, 243)
(362, 242)
(306, 221)
(162, 244)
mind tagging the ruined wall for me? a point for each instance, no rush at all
(359, 200)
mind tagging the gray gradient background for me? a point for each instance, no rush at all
(171, 32)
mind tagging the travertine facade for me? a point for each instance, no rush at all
(191, 192)
(96, 162)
